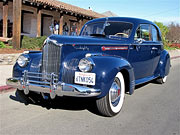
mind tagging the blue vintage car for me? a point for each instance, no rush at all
(108, 59)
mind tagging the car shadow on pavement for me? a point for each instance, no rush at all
(65, 103)
(145, 84)
(141, 85)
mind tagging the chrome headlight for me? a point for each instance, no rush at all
(86, 64)
(22, 60)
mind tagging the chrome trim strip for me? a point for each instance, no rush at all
(89, 44)
(39, 82)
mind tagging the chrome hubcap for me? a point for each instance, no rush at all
(115, 93)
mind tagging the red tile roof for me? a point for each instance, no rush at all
(67, 7)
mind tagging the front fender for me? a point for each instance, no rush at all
(32, 66)
(106, 68)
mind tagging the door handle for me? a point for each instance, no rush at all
(154, 48)
(135, 47)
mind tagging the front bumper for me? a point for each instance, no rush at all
(51, 87)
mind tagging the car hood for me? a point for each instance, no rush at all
(83, 40)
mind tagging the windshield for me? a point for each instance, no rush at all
(108, 29)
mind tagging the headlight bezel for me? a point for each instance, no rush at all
(86, 65)
(22, 60)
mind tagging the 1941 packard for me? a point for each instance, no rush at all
(108, 59)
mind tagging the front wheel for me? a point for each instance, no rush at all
(111, 104)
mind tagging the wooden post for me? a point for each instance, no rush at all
(5, 19)
(79, 26)
(38, 23)
(61, 23)
(17, 6)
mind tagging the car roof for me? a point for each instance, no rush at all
(125, 19)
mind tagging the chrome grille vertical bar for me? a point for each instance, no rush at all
(51, 58)
(45, 58)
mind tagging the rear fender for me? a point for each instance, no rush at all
(164, 64)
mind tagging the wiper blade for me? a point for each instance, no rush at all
(98, 35)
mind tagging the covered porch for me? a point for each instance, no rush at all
(33, 18)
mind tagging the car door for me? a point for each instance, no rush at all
(140, 55)
(157, 47)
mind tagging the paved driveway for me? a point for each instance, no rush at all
(152, 110)
(5, 72)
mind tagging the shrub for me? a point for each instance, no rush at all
(10, 43)
(2, 45)
(164, 30)
(32, 43)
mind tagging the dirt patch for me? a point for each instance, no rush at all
(8, 59)
(12, 51)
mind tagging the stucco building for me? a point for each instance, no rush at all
(34, 17)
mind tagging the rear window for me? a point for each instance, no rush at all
(143, 32)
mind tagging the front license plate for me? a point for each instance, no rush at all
(85, 78)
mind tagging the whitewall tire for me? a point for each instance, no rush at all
(111, 104)
(161, 80)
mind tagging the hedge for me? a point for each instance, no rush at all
(2, 45)
(32, 43)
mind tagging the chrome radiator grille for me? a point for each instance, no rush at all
(51, 58)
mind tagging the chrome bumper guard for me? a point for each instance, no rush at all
(48, 83)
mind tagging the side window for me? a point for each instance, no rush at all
(143, 32)
(155, 34)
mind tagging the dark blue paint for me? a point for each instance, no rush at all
(106, 69)
(34, 60)
(139, 60)
(164, 64)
